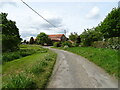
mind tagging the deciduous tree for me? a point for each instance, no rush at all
(43, 38)
(31, 40)
(10, 34)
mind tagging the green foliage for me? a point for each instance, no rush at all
(89, 36)
(8, 26)
(10, 43)
(9, 56)
(34, 69)
(19, 81)
(49, 42)
(43, 50)
(66, 43)
(57, 44)
(49, 58)
(75, 44)
(24, 51)
(43, 39)
(31, 40)
(24, 41)
(36, 47)
(99, 44)
(10, 34)
(75, 37)
(112, 43)
(0, 43)
(37, 69)
(107, 29)
(111, 24)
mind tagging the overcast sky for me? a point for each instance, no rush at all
(72, 16)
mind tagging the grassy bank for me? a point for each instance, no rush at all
(32, 71)
(105, 58)
(25, 50)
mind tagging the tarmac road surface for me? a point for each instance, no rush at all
(74, 71)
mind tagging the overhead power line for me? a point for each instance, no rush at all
(38, 14)
(41, 16)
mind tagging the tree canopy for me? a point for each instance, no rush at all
(111, 24)
(10, 34)
(107, 29)
(42, 39)
(31, 40)
(74, 37)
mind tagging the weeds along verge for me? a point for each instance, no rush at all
(35, 77)
(9, 56)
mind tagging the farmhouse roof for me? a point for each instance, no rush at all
(56, 36)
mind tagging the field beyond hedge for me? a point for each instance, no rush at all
(31, 71)
(105, 58)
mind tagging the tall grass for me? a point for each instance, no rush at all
(29, 72)
(9, 56)
(37, 69)
(21, 80)
(24, 51)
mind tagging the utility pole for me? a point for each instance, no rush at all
(119, 4)
(65, 32)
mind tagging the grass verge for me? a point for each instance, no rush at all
(32, 71)
(25, 50)
(105, 58)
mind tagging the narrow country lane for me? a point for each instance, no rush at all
(74, 71)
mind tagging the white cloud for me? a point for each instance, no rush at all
(58, 13)
(7, 2)
(94, 13)
(31, 25)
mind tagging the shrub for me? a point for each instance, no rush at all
(67, 43)
(99, 44)
(10, 43)
(19, 81)
(49, 42)
(112, 43)
(81, 44)
(9, 56)
(57, 44)
(75, 44)
(26, 52)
